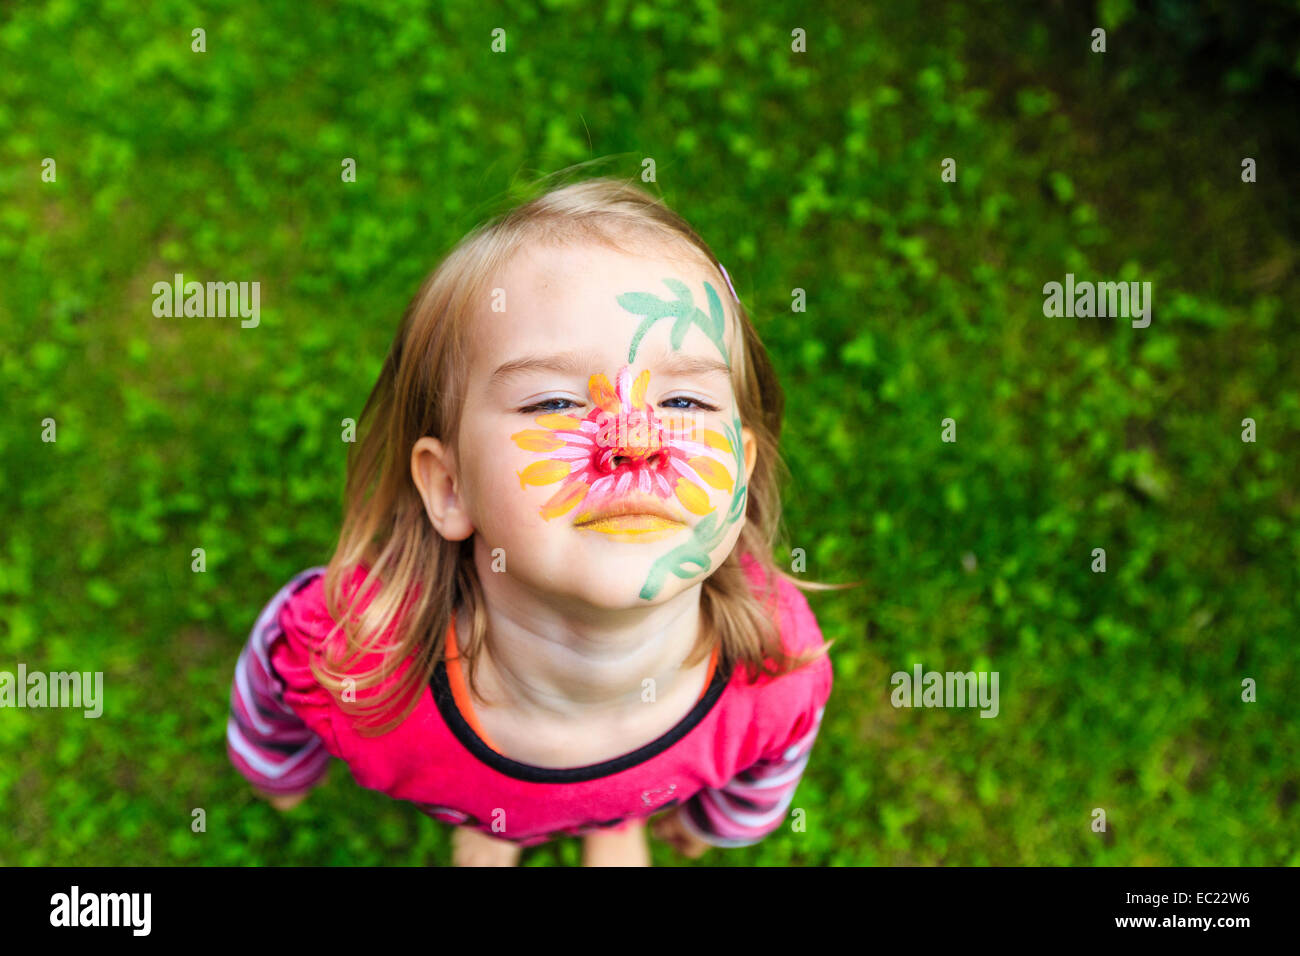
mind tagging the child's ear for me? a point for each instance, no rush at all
(751, 451)
(433, 469)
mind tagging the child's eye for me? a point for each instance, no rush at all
(702, 406)
(550, 405)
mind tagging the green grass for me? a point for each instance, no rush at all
(817, 171)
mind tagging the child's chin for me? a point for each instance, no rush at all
(615, 582)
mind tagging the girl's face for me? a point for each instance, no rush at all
(600, 445)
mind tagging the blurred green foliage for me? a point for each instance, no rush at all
(818, 171)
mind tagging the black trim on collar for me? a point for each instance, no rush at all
(460, 728)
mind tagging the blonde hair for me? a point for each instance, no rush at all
(418, 578)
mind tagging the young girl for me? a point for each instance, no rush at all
(553, 608)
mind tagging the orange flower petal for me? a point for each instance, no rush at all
(692, 497)
(715, 439)
(711, 471)
(558, 422)
(603, 394)
(535, 439)
(564, 500)
(638, 389)
(543, 473)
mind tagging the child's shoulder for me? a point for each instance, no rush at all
(783, 708)
(300, 632)
(307, 627)
(797, 623)
(306, 608)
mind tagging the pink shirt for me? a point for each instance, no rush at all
(733, 762)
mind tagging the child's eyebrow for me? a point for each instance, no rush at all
(576, 364)
(691, 365)
(567, 363)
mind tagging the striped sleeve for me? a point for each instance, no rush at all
(755, 802)
(266, 741)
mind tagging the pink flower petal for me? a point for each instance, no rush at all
(570, 453)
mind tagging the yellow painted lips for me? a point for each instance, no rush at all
(633, 527)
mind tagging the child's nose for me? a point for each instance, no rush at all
(651, 459)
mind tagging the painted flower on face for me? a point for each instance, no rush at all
(621, 447)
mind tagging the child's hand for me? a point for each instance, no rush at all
(287, 801)
(669, 828)
(283, 801)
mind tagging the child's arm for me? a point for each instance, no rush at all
(670, 830)
(266, 741)
(753, 804)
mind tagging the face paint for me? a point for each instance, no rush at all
(692, 558)
(629, 466)
(683, 310)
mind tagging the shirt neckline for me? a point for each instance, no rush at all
(452, 699)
